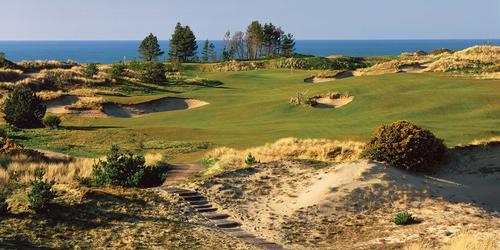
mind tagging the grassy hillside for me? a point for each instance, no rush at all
(252, 108)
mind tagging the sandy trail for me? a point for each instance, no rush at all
(182, 171)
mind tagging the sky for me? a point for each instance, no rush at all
(210, 19)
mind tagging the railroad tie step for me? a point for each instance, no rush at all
(188, 193)
(215, 216)
(206, 210)
(201, 206)
(198, 203)
(194, 198)
(227, 224)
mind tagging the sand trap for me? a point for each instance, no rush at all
(341, 75)
(59, 106)
(327, 102)
(160, 105)
(412, 68)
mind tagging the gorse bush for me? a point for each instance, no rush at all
(41, 193)
(51, 121)
(404, 218)
(24, 109)
(122, 168)
(90, 70)
(405, 145)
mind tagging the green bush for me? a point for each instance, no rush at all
(404, 218)
(441, 51)
(90, 70)
(51, 121)
(41, 193)
(251, 160)
(4, 207)
(153, 72)
(116, 70)
(322, 63)
(405, 145)
(122, 168)
(24, 109)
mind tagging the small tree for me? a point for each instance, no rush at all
(24, 109)
(90, 70)
(41, 193)
(150, 48)
(212, 54)
(287, 45)
(251, 160)
(182, 44)
(204, 52)
(153, 72)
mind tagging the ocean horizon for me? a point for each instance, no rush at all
(109, 51)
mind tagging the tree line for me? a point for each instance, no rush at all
(259, 41)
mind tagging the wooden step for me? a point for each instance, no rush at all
(227, 224)
(206, 210)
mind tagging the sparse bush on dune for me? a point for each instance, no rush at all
(116, 71)
(224, 158)
(90, 70)
(405, 145)
(41, 193)
(150, 72)
(404, 218)
(52, 121)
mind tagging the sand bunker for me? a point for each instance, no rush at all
(412, 68)
(329, 78)
(327, 102)
(61, 106)
(160, 105)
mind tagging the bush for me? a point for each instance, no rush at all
(405, 145)
(122, 168)
(52, 121)
(4, 207)
(24, 109)
(116, 71)
(90, 70)
(404, 218)
(441, 51)
(41, 193)
(251, 160)
(153, 72)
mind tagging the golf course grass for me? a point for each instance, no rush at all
(252, 108)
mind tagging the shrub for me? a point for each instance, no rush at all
(41, 193)
(116, 70)
(122, 168)
(23, 109)
(4, 207)
(251, 160)
(404, 218)
(52, 121)
(7, 75)
(90, 70)
(405, 145)
(153, 72)
(2, 57)
(441, 51)
(34, 66)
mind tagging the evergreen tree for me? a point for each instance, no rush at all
(24, 109)
(287, 45)
(271, 39)
(205, 52)
(182, 44)
(254, 37)
(150, 49)
(212, 54)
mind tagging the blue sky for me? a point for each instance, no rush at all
(310, 19)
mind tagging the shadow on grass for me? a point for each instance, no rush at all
(87, 128)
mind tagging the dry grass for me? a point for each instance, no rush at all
(463, 241)
(87, 103)
(40, 64)
(480, 58)
(21, 168)
(224, 158)
(49, 95)
(7, 75)
(485, 141)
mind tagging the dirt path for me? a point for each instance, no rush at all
(182, 171)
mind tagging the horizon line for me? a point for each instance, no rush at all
(367, 39)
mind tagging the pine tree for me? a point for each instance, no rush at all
(287, 45)
(182, 44)
(212, 54)
(205, 52)
(24, 109)
(150, 49)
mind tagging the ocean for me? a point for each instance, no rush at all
(113, 51)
